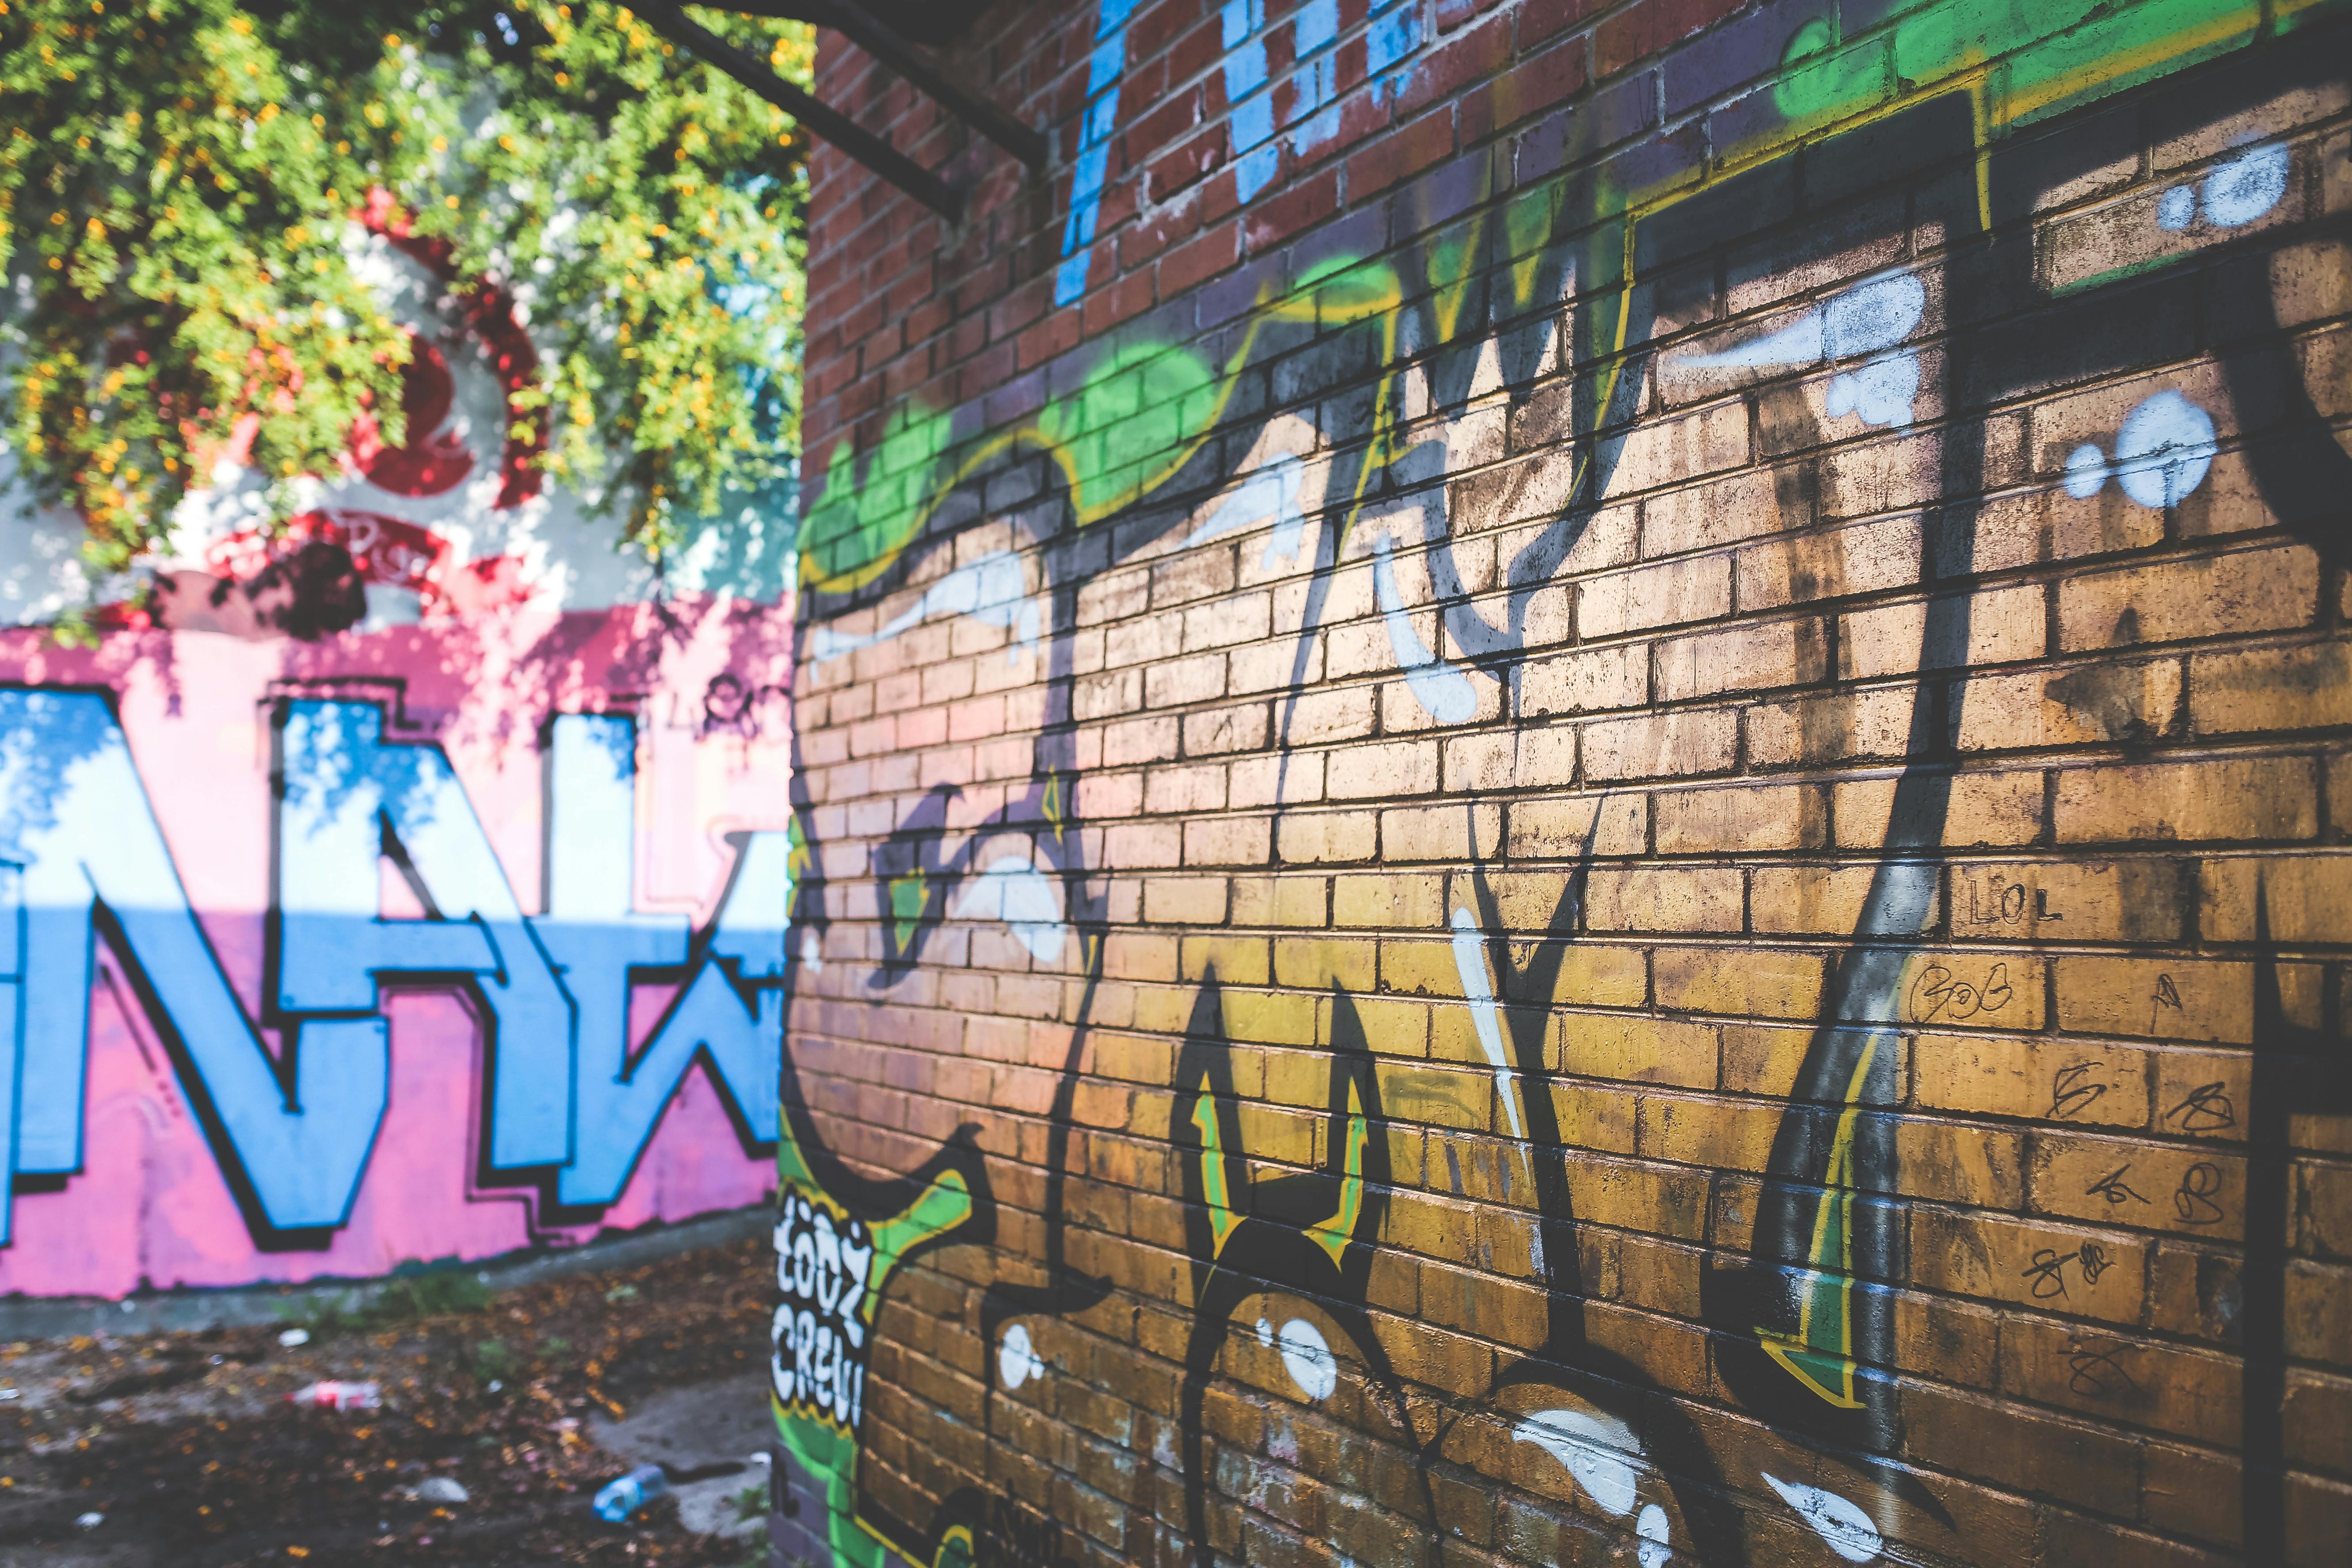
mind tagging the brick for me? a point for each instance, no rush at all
(2189, 1392)
(1637, 1050)
(1959, 1162)
(1808, 900)
(1980, 809)
(1452, 832)
(2004, 624)
(1649, 28)
(1286, 901)
(1660, 452)
(1868, 722)
(2155, 1186)
(2258, 798)
(1720, 511)
(2165, 998)
(1664, 899)
(2251, 591)
(1228, 841)
(1735, 981)
(2025, 1450)
(2305, 897)
(1395, 768)
(1746, 657)
(1717, 1134)
(1971, 988)
(1323, 836)
(1586, 680)
(2029, 1264)
(1399, 155)
(1563, 827)
(1835, 563)
(1672, 594)
(2130, 704)
(1184, 900)
(1524, 758)
(2138, 899)
(1741, 820)
(1669, 745)
(2090, 1084)
(2307, 688)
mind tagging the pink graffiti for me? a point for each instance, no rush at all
(151, 1207)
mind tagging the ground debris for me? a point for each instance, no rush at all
(185, 1444)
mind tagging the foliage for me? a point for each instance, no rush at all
(182, 185)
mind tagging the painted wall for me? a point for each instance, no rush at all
(447, 934)
(1575, 787)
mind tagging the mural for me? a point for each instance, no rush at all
(1528, 883)
(392, 891)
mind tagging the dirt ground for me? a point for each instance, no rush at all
(186, 1446)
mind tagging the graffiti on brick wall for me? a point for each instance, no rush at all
(1302, 1152)
(386, 892)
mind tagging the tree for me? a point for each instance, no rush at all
(182, 183)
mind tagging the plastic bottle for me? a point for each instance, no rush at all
(623, 1496)
(338, 1396)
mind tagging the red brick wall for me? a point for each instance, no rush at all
(1599, 817)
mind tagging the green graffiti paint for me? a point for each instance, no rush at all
(872, 505)
(2056, 55)
(1119, 432)
(821, 1433)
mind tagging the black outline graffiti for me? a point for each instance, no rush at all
(1741, 1291)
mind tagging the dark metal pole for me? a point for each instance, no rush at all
(871, 33)
(820, 117)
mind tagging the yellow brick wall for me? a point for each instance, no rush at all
(1646, 881)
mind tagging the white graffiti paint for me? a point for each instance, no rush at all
(1272, 492)
(1598, 1450)
(2086, 471)
(818, 1335)
(1881, 392)
(1016, 1362)
(1012, 889)
(1850, 1532)
(1444, 692)
(1470, 964)
(1308, 1358)
(2162, 453)
(1866, 320)
(2244, 188)
(2233, 194)
(1656, 1536)
(991, 590)
(2163, 450)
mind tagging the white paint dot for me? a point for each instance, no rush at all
(2247, 186)
(2086, 471)
(1015, 1362)
(2176, 209)
(2163, 450)
(1655, 1535)
(1311, 1364)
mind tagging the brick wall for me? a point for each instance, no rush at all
(1572, 785)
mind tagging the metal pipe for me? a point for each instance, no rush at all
(820, 117)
